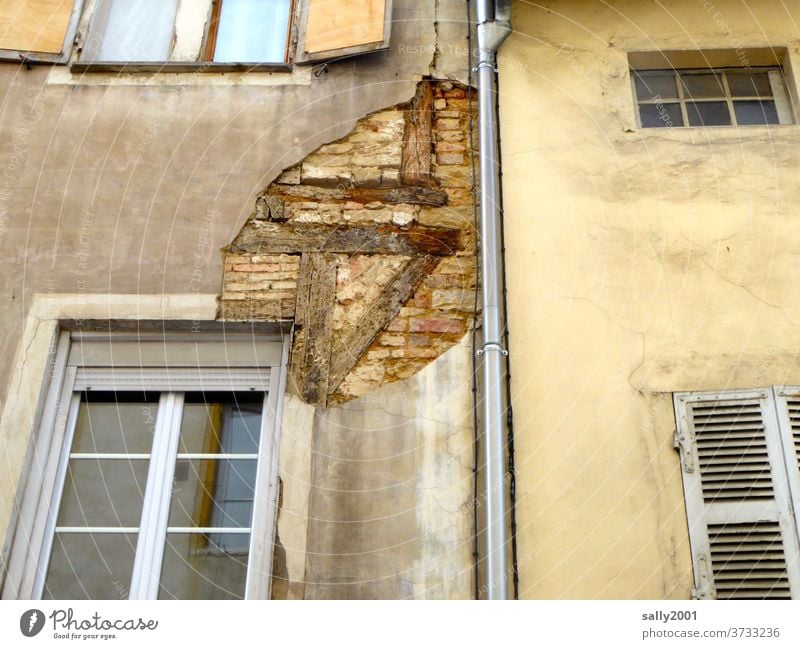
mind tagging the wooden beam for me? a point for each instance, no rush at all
(379, 314)
(266, 237)
(415, 164)
(312, 354)
(429, 196)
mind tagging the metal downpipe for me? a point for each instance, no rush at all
(491, 34)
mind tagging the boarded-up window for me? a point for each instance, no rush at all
(333, 28)
(740, 477)
(34, 25)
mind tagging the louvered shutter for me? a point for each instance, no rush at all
(331, 29)
(741, 527)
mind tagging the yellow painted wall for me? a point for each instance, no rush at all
(640, 263)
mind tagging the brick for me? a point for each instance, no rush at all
(367, 176)
(450, 136)
(455, 93)
(447, 125)
(449, 158)
(392, 340)
(419, 340)
(456, 299)
(450, 147)
(325, 176)
(436, 325)
(398, 324)
(439, 104)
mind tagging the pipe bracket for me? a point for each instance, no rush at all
(491, 347)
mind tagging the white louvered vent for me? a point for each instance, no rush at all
(732, 450)
(748, 561)
(793, 405)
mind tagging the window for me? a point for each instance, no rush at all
(230, 32)
(155, 470)
(711, 97)
(249, 30)
(38, 29)
(740, 458)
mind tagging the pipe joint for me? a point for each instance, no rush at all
(491, 35)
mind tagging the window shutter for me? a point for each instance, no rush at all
(331, 29)
(37, 26)
(741, 526)
(787, 400)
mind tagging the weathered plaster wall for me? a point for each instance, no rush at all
(132, 183)
(390, 512)
(640, 263)
(129, 185)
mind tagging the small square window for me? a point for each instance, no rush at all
(711, 97)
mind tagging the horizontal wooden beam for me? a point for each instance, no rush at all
(291, 237)
(429, 196)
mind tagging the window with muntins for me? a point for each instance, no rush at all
(711, 97)
(155, 470)
(740, 459)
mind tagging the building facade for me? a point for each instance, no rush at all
(649, 261)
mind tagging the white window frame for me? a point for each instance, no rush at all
(74, 370)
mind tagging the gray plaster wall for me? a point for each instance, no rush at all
(131, 183)
(390, 507)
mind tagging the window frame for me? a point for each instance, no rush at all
(209, 42)
(778, 85)
(63, 57)
(50, 451)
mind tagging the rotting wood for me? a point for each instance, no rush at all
(266, 237)
(312, 362)
(427, 196)
(415, 165)
(379, 314)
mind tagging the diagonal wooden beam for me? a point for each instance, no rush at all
(292, 238)
(379, 314)
(316, 296)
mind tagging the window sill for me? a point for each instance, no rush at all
(200, 67)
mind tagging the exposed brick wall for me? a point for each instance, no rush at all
(325, 188)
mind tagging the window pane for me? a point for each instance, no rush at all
(90, 566)
(755, 112)
(115, 424)
(132, 30)
(749, 84)
(708, 113)
(650, 85)
(196, 568)
(103, 493)
(213, 493)
(221, 423)
(702, 85)
(252, 31)
(660, 115)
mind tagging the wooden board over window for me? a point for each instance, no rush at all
(34, 25)
(333, 28)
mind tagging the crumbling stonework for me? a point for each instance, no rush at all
(386, 215)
